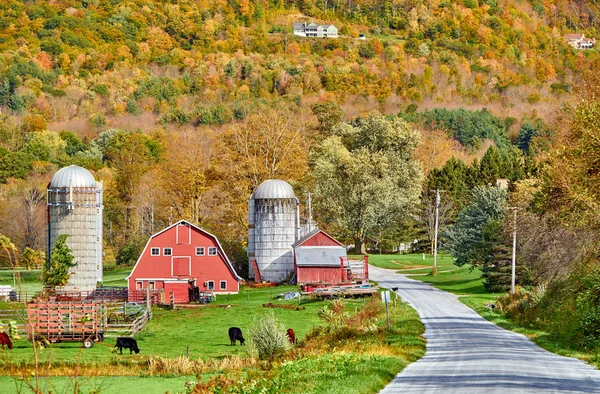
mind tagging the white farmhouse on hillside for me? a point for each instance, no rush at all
(579, 41)
(314, 30)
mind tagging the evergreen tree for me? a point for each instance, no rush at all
(61, 260)
(477, 228)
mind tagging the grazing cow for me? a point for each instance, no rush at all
(235, 334)
(291, 335)
(5, 340)
(127, 343)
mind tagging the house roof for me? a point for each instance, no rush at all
(221, 251)
(311, 234)
(573, 36)
(299, 25)
(319, 256)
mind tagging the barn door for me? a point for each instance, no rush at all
(181, 266)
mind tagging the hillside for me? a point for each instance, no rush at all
(175, 83)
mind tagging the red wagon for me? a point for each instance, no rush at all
(66, 321)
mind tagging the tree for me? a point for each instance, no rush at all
(61, 260)
(272, 144)
(572, 182)
(32, 258)
(329, 114)
(365, 176)
(477, 228)
(131, 155)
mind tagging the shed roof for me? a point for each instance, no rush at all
(74, 176)
(319, 256)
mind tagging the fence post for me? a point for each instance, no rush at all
(172, 296)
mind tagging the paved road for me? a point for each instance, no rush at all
(467, 354)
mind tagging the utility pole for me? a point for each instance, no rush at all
(514, 251)
(435, 235)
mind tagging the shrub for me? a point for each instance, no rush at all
(267, 337)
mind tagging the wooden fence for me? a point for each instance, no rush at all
(17, 315)
(109, 328)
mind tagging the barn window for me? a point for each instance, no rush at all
(155, 252)
(211, 285)
(167, 251)
(223, 285)
(200, 251)
(212, 251)
(151, 285)
(138, 285)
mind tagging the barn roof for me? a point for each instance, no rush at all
(221, 251)
(311, 234)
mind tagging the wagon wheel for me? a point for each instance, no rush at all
(88, 343)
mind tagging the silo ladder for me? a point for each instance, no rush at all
(257, 276)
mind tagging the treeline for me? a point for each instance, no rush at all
(188, 62)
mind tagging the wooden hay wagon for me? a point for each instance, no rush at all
(66, 321)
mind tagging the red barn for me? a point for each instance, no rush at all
(184, 260)
(318, 258)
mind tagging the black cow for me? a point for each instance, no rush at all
(127, 343)
(235, 334)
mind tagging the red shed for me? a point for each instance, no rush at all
(318, 258)
(184, 259)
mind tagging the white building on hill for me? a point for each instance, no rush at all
(314, 30)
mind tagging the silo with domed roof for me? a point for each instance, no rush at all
(75, 208)
(273, 226)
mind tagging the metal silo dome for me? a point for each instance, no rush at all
(274, 188)
(73, 176)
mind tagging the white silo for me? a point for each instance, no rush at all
(75, 209)
(273, 221)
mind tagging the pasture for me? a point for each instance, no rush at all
(179, 345)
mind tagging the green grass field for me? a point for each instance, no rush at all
(102, 384)
(201, 334)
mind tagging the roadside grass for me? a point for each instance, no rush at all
(348, 358)
(467, 284)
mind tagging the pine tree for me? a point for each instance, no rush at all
(61, 259)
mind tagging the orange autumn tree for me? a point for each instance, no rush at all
(272, 144)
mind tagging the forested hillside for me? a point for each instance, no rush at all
(182, 108)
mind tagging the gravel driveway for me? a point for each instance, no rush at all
(467, 354)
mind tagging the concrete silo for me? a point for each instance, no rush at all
(75, 209)
(273, 225)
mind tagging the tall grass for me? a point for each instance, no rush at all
(353, 352)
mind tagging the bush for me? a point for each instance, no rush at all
(268, 337)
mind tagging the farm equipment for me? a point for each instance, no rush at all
(66, 321)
